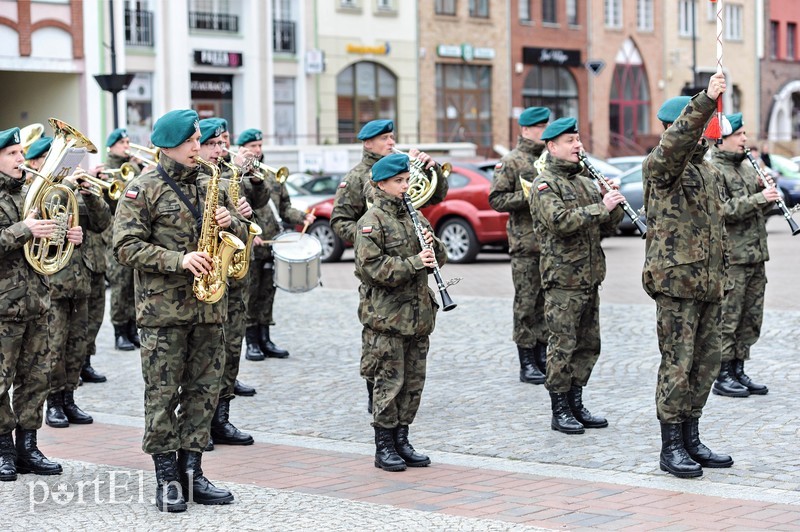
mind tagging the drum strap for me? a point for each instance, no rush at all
(274, 210)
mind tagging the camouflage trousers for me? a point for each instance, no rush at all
(234, 334)
(261, 294)
(24, 364)
(689, 341)
(120, 278)
(68, 319)
(743, 310)
(529, 322)
(182, 367)
(97, 310)
(573, 319)
(398, 369)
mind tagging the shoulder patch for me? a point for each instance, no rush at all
(498, 166)
(542, 186)
(367, 229)
(343, 184)
(132, 193)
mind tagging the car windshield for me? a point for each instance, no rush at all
(633, 175)
(784, 166)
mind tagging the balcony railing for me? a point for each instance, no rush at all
(138, 28)
(213, 21)
(283, 36)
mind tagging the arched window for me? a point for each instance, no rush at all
(552, 87)
(629, 103)
(364, 91)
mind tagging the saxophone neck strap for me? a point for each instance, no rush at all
(174, 186)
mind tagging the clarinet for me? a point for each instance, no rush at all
(767, 181)
(447, 302)
(609, 187)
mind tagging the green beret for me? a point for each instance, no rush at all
(222, 122)
(559, 127)
(374, 128)
(389, 166)
(736, 123)
(174, 128)
(534, 115)
(672, 108)
(9, 137)
(116, 136)
(248, 135)
(210, 128)
(39, 147)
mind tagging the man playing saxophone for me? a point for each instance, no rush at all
(156, 232)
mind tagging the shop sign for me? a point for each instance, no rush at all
(465, 51)
(380, 49)
(217, 58)
(551, 56)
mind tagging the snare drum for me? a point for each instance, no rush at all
(297, 261)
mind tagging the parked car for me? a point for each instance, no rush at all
(320, 184)
(626, 163)
(788, 180)
(630, 186)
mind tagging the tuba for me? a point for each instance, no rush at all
(423, 182)
(220, 245)
(54, 200)
(240, 263)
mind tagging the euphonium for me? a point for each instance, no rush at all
(220, 245)
(423, 181)
(53, 200)
(240, 263)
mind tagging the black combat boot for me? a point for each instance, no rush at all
(540, 357)
(251, 338)
(8, 458)
(674, 458)
(121, 341)
(74, 413)
(209, 445)
(528, 371)
(744, 380)
(222, 430)
(563, 419)
(30, 459)
(133, 333)
(581, 413)
(169, 495)
(699, 452)
(55, 416)
(386, 456)
(88, 373)
(370, 388)
(411, 457)
(726, 384)
(196, 486)
(271, 350)
(240, 388)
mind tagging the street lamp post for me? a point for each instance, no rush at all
(114, 82)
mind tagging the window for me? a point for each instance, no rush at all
(285, 132)
(549, 11)
(138, 24)
(686, 18)
(364, 91)
(613, 13)
(445, 7)
(479, 8)
(552, 87)
(774, 33)
(212, 15)
(384, 5)
(464, 104)
(348, 3)
(644, 15)
(711, 13)
(733, 22)
(791, 36)
(572, 12)
(629, 102)
(525, 10)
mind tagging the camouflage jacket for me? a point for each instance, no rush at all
(395, 298)
(153, 230)
(685, 250)
(24, 294)
(114, 162)
(74, 280)
(356, 189)
(570, 219)
(744, 210)
(505, 195)
(277, 198)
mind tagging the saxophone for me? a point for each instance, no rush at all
(240, 264)
(220, 245)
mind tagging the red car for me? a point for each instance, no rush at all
(464, 221)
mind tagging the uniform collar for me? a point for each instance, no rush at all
(530, 146)
(388, 203)
(10, 183)
(563, 167)
(733, 157)
(177, 171)
(370, 157)
(115, 159)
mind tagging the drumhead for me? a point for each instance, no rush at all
(305, 248)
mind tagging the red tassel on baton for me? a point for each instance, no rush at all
(718, 125)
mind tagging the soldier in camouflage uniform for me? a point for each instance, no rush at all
(355, 190)
(684, 272)
(24, 362)
(261, 295)
(745, 221)
(397, 310)
(156, 231)
(506, 195)
(68, 316)
(570, 218)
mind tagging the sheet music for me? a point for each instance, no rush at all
(69, 161)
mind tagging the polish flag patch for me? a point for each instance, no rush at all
(542, 186)
(132, 193)
(343, 184)
(498, 166)
(367, 229)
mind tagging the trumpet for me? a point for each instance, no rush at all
(126, 172)
(280, 173)
(113, 188)
(137, 150)
(423, 181)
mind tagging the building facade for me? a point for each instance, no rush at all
(780, 75)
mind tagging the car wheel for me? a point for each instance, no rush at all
(332, 245)
(459, 240)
